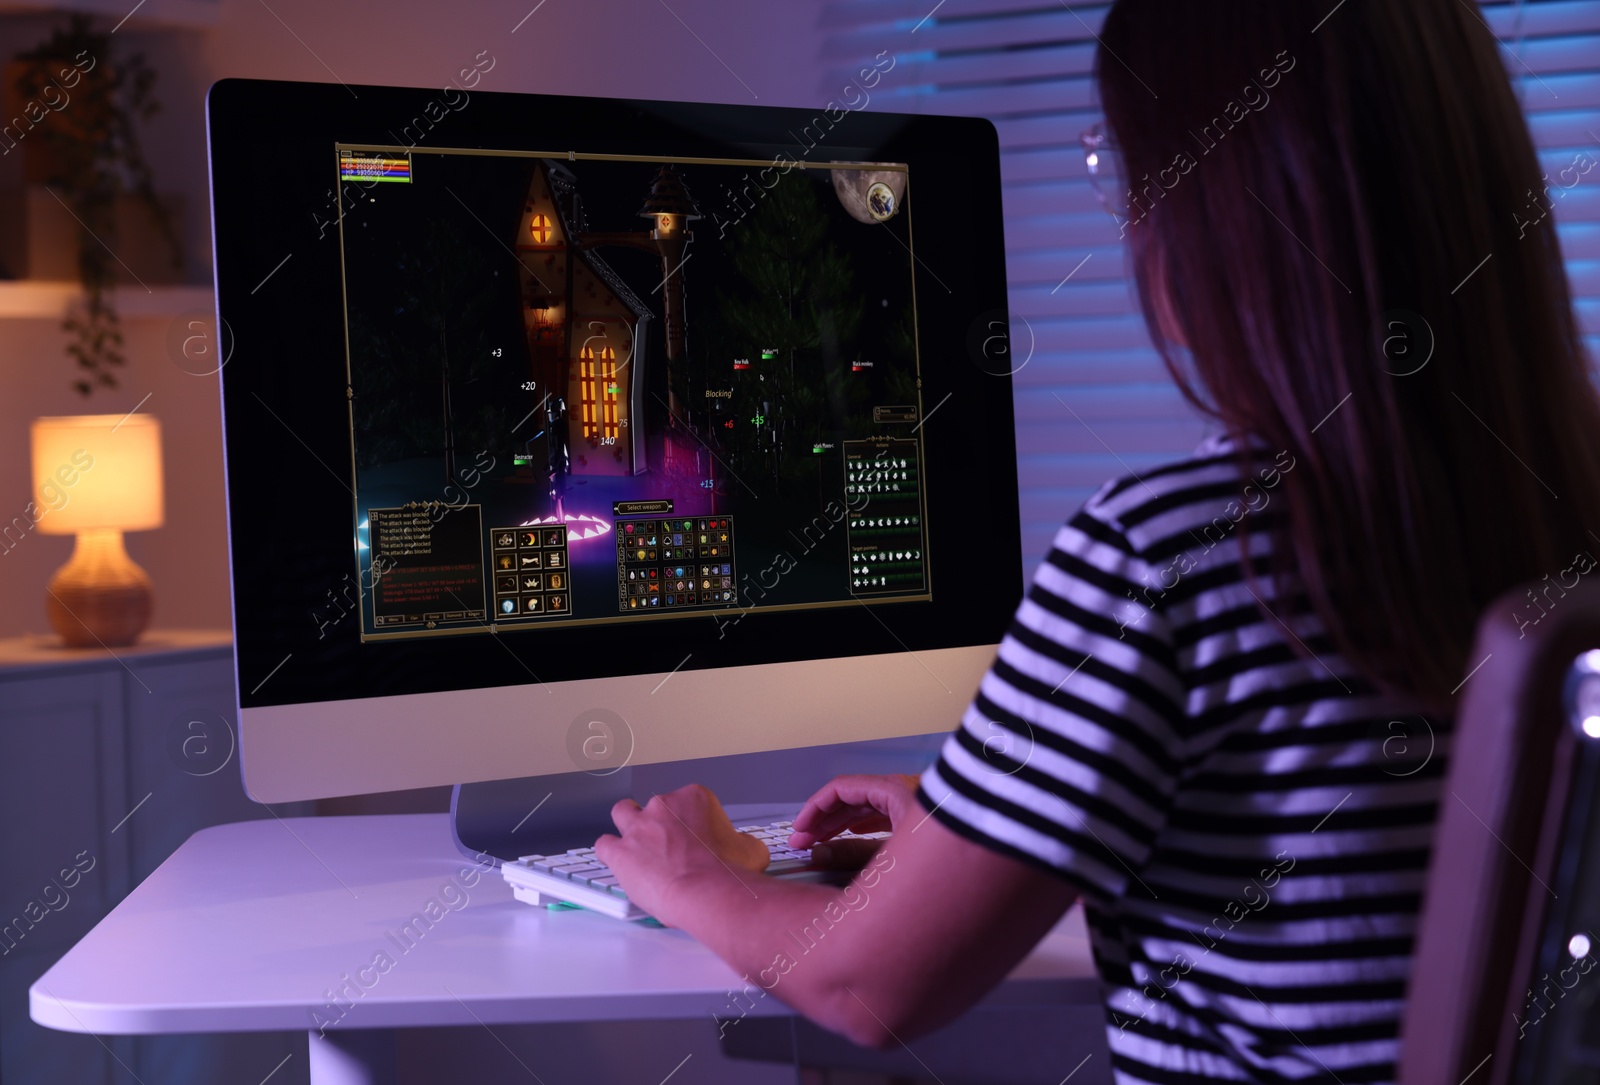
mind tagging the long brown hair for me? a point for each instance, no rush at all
(1359, 188)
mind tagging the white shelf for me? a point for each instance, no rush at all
(150, 13)
(27, 298)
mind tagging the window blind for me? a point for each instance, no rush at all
(1094, 401)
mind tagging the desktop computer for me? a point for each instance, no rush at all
(565, 435)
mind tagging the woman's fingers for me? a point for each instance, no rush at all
(841, 795)
(624, 813)
(863, 803)
(825, 827)
(837, 819)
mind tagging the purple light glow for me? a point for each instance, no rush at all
(580, 525)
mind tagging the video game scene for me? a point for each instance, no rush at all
(597, 389)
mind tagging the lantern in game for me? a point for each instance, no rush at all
(670, 206)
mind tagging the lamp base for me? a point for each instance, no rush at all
(99, 598)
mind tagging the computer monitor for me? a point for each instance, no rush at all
(568, 433)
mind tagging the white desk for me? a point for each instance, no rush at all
(251, 926)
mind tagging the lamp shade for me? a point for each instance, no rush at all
(97, 471)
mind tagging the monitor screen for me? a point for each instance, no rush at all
(543, 410)
(542, 439)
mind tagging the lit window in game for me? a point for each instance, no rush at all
(586, 382)
(608, 392)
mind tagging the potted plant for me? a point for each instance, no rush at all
(83, 105)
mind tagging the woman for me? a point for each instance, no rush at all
(1191, 724)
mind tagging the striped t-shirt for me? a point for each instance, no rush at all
(1249, 828)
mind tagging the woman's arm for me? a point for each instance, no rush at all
(923, 931)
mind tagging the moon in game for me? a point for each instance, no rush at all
(871, 196)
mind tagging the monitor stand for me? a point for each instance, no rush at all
(536, 815)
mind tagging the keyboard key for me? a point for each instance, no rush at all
(579, 873)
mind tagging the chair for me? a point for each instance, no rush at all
(1513, 814)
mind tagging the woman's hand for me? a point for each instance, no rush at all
(670, 842)
(862, 804)
(915, 966)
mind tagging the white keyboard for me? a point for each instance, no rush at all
(577, 877)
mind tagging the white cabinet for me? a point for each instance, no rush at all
(107, 763)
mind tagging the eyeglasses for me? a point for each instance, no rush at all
(1100, 159)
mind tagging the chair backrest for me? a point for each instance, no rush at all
(1502, 815)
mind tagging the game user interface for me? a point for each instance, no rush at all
(599, 388)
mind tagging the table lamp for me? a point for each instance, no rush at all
(96, 476)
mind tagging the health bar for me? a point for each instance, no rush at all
(374, 167)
